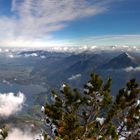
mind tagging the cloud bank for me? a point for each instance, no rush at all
(11, 103)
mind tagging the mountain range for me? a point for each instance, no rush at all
(59, 68)
(36, 72)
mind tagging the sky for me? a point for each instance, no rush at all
(42, 23)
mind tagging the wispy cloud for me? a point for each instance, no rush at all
(33, 22)
(32, 19)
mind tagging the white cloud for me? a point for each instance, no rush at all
(17, 134)
(32, 19)
(11, 103)
(65, 47)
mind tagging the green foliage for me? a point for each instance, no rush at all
(93, 114)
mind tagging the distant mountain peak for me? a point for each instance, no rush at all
(123, 60)
(126, 55)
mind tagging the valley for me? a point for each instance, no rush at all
(36, 72)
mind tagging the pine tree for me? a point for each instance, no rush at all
(93, 114)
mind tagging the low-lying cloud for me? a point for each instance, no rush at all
(10, 103)
(17, 134)
(129, 69)
(74, 77)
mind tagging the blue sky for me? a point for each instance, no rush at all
(122, 18)
(69, 22)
